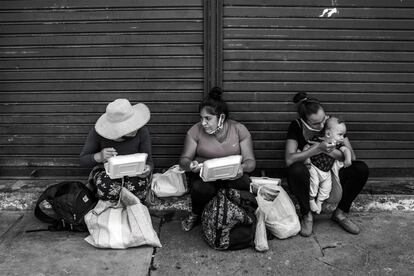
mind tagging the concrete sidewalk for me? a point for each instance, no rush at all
(62, 253)
(384, 247)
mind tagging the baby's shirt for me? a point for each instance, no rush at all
(323, 161)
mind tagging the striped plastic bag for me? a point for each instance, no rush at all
(123, 224)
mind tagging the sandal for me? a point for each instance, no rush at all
(189, 222)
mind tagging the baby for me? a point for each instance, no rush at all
(320, 165)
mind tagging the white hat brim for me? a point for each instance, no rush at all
(115, 131)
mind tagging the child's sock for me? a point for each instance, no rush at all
(319, 206)
(313, 205)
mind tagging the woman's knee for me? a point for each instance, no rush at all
(242, 183)
(200, 187)
(106, 188)
(298, 178)
(298, 170)
(354, 176)
(357, 171)
(139, 186)
(360, 168)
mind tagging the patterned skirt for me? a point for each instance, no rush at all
(109, 189)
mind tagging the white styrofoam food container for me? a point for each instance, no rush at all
(126, 165)
(265, 180)
(220, 168)
(256, 182)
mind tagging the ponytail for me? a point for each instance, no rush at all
(214, 103)
(305, 105)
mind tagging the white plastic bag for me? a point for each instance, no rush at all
(281, 218)
(122, 224)
(170, 183)
(260, 237)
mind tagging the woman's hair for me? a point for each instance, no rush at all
(214, 104)
(306, 106)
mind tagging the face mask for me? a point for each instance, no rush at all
(219, 125)
(311, 128)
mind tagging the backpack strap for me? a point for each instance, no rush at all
(58, 226)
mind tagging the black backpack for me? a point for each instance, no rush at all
(228, 221)
(70, 201)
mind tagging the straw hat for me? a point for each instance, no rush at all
(121, 118)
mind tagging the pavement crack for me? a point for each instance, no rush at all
(323, 248)
(319, 245)
(334, 266)
(3, 237)
(327, 246)
(153, 266)
(330, 245)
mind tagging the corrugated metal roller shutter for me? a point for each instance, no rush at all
(358, 61)
(62, 61)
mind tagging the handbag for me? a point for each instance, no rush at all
(170, 183)
(123, 224)
(280, 213)
(228, 220)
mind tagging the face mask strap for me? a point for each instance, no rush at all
(309, 127)
(219, 125)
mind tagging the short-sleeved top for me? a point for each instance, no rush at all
(209, 147)
(296, 132)
(140, 143)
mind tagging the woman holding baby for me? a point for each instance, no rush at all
(308, 129)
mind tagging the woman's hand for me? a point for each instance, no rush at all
(104, 155)
(323, 146)
(239, 174)
(146, 172)
(195, 167)
(292, 154)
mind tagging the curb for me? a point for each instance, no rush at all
(18, 195)
(24, 200)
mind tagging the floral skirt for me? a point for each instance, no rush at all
(109, 189)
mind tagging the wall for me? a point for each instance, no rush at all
(357, 61)
(62, 61)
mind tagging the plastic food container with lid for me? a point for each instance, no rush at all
(126, 165)
(220, 168)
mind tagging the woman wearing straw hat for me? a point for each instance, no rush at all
(120, 130)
